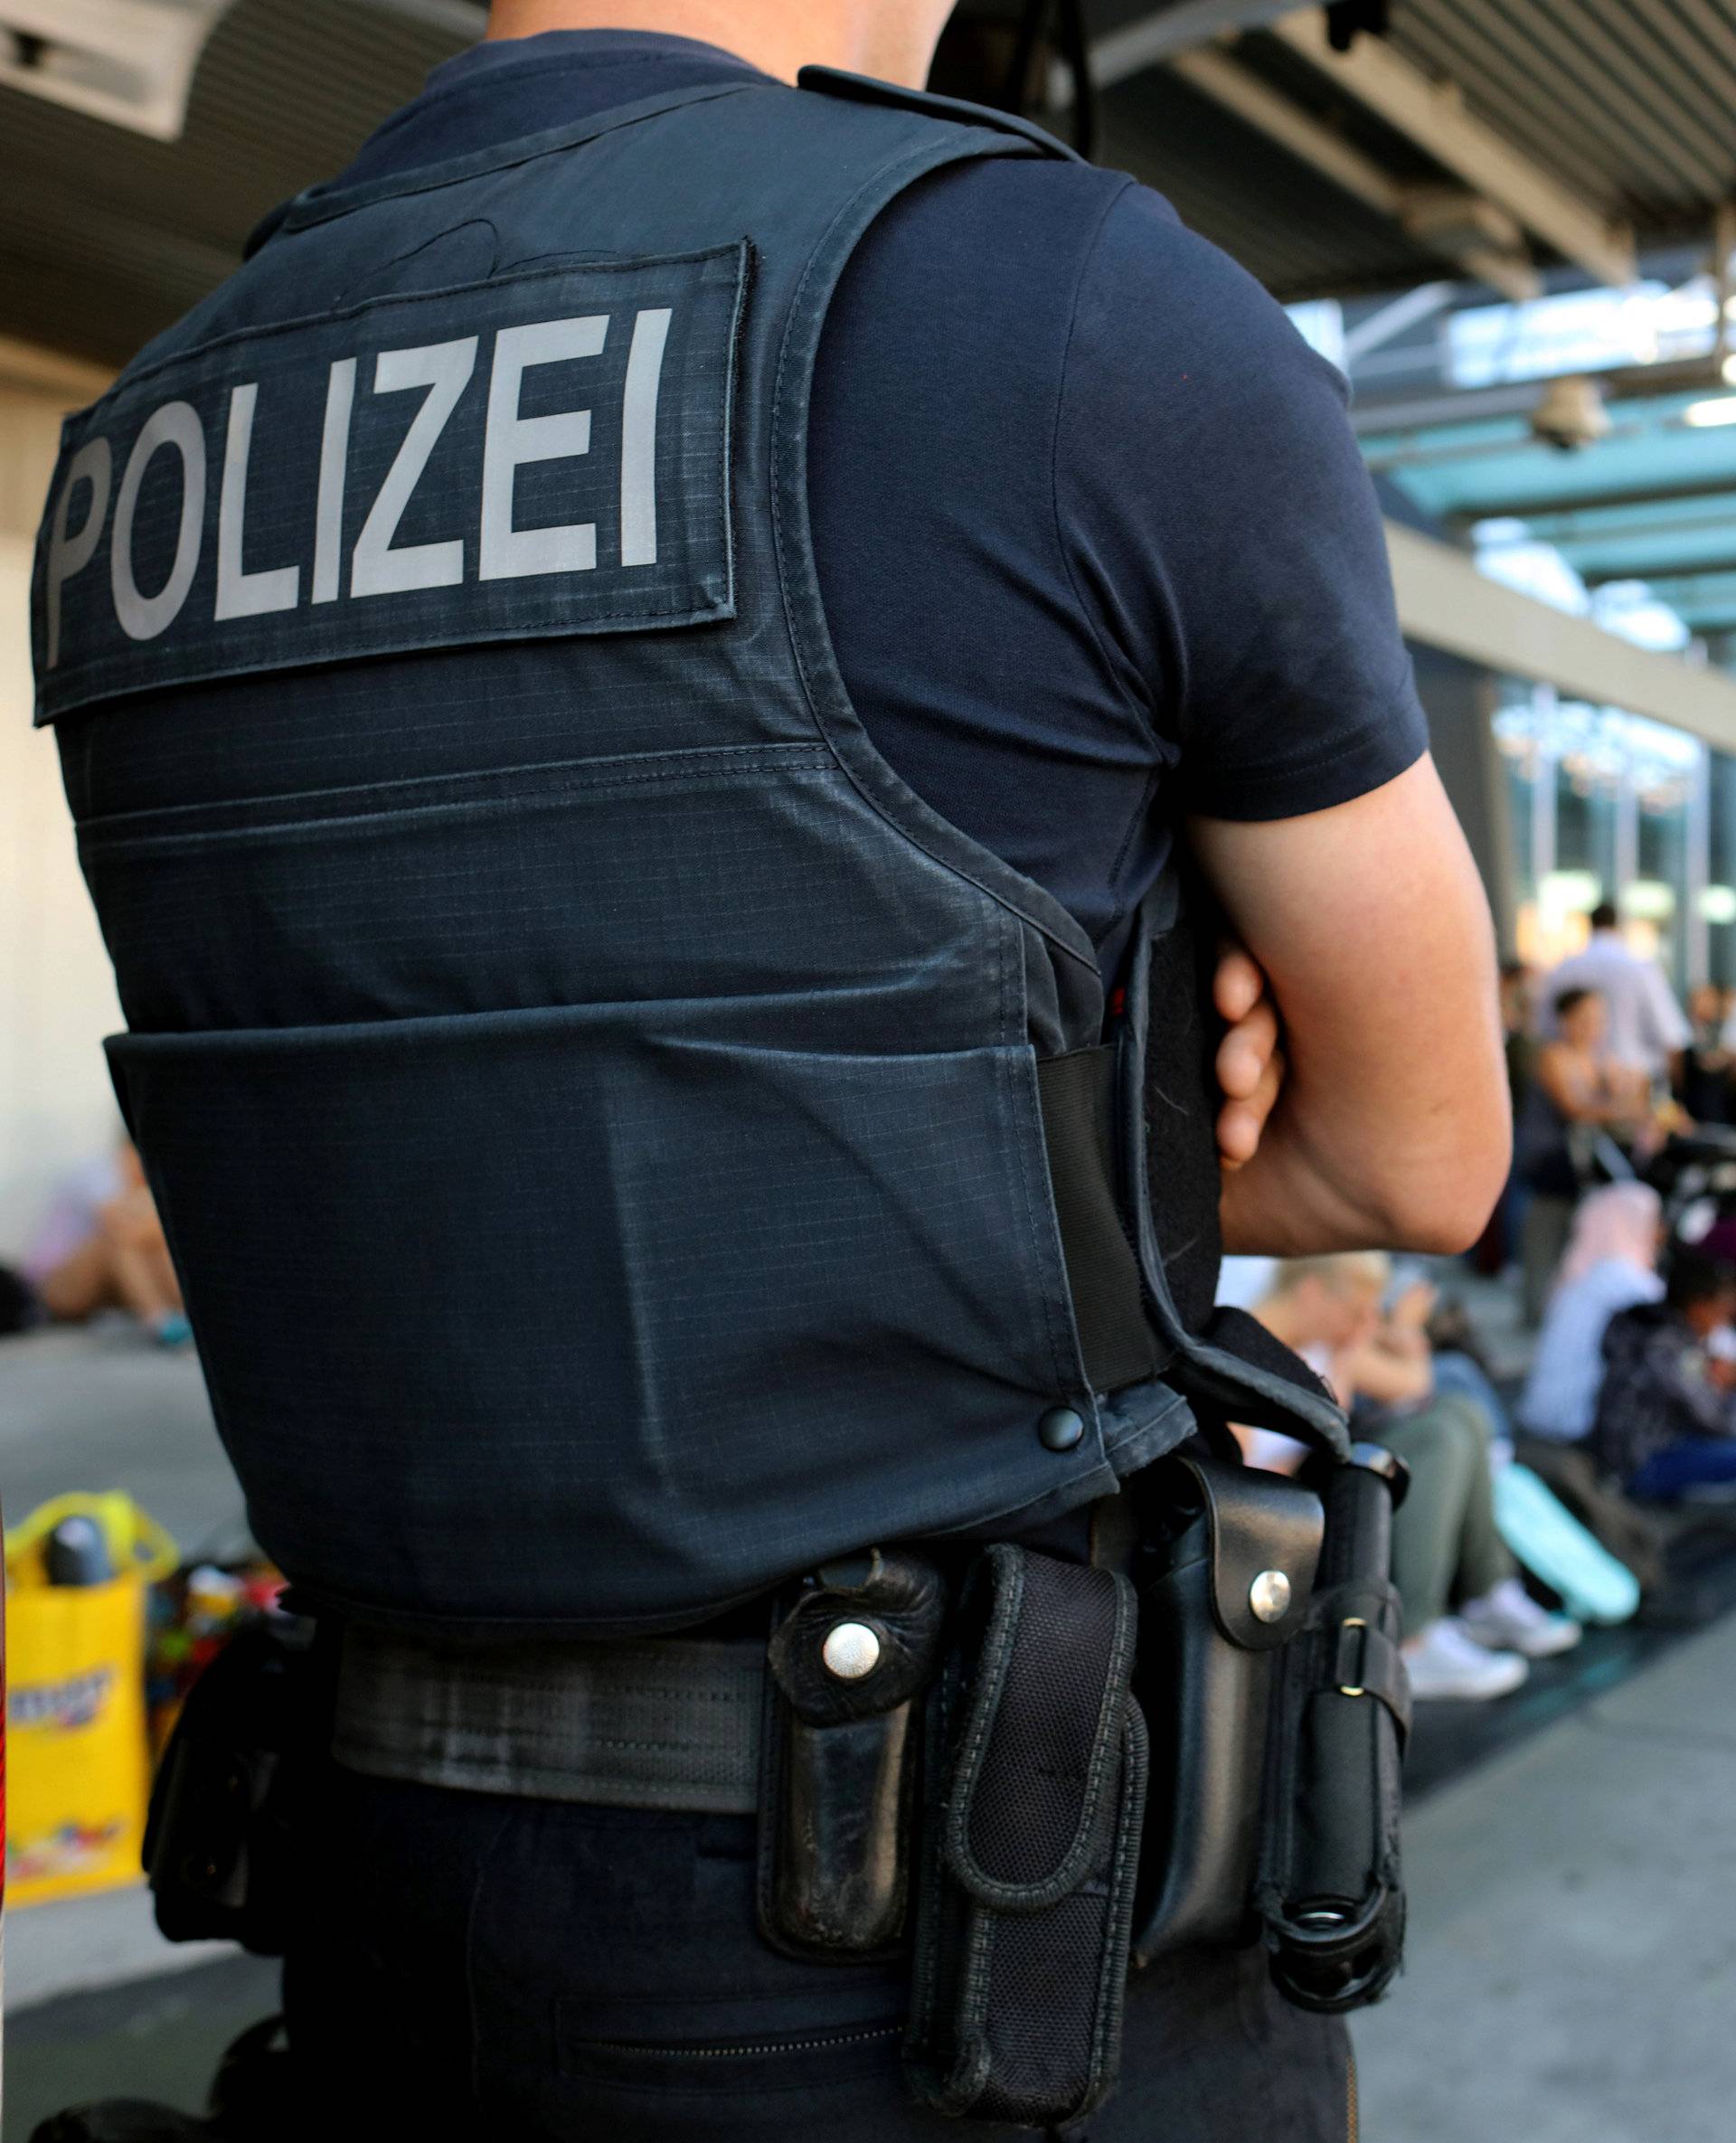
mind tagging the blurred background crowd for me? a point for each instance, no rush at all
(1565, 1397)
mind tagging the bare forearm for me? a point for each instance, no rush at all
(1392, 1130)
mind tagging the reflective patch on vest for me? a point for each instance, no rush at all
(543, 454)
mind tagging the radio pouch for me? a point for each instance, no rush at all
(1330, 1897)
(1030, 1846)
(1225, 1573)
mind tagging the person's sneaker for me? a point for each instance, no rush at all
(1509, 1619)
(1446, 1663)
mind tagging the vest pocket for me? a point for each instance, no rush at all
(604, 1316)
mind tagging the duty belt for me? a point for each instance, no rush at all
(665, 1723)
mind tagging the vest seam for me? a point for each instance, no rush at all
(553, 795)
(737, 755)
(329, 208)
(903, 171)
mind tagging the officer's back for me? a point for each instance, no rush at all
(620, 759)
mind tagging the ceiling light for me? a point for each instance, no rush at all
(1648, 900)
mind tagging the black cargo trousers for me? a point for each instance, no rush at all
(471, 1966)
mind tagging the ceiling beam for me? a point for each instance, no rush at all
(1432, 114)
(1518, 398)
(1591, 528)
(1641, 494)
(1121, 53)
(1671, 569)
(1260, 106)
(1445, 602)
(1392, 318)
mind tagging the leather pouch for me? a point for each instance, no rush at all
(1331, 1895)
(220, 1841)
(850, 1658)
(1030, 1842)
(1224, 1576)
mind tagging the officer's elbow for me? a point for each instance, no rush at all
(1441, 1208)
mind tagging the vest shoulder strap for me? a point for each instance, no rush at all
(863, 88)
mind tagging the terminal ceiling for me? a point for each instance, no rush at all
(1479, 146)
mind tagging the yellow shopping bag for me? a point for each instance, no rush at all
(78, 1767)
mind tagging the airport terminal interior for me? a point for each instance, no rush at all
(1511, 224)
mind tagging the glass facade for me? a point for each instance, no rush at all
(1607, 806)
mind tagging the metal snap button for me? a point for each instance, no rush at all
(1269, 1596)
(851, 1650)
(1061, 1429)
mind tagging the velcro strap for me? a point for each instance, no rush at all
(1077, 1096)
(1040, 1755)
(665, 1722)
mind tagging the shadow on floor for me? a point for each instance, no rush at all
(159, 2038)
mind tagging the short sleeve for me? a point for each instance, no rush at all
(1223, 532)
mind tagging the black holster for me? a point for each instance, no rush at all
(1331, 1895)
(221, 1838)
(1030, 1842)
(1272, 1678)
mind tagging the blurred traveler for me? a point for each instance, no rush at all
(1578, 1094)
(1518, 1025)
(101, 1246)
(1471, 1625)
(1703, 1084)
(1647, 1032)
(745, 594)
(1666, 1414)
(1610, 1267)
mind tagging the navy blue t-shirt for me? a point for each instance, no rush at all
(1095, 542)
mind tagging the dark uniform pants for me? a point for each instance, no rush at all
(492, 1968)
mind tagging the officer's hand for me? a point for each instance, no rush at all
(1250, 1065)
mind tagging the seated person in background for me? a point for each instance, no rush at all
(1666, 1414)
(1575, 1092)
(102, 1247)
(1445, 1545)
(1610, 1266)
(1702, 1082)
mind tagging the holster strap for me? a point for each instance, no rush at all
(663, 1722)
(1367, 1662)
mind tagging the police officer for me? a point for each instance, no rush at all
(631, 686)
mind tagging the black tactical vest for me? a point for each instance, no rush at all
(654, 1152)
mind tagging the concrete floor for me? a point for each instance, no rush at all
(1572, 1960)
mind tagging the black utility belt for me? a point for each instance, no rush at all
(1031, 1777)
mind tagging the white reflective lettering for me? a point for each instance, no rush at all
(508, 554)
(375, 568)
(142, 617)
(334, 463)
(241, 594)
(639, 438)
(93, 464)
